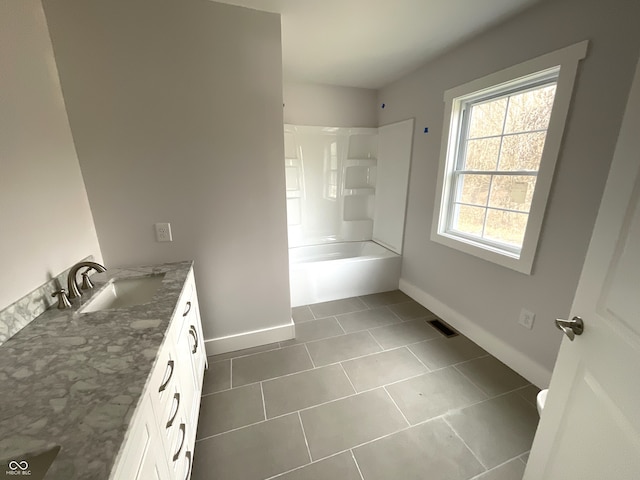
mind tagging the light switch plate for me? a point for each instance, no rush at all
(526, 318)
(163, 232)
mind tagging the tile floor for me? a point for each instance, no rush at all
(367, 391)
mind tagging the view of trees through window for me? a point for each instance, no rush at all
(499, 158)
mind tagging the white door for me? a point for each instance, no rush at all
(590, 428)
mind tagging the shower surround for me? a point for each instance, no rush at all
(345, 185)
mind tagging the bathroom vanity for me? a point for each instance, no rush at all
(116, 385)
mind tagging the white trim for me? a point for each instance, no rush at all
(564, 56)
(255, 338)
(507, 354)
(567, 58)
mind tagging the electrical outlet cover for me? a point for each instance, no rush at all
(163, 232)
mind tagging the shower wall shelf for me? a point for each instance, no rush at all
(364, 162)
(349, 192)
(347, 184)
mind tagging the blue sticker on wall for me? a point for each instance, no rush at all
(426, 129)
(383, 105)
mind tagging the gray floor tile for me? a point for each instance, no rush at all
(385, 298)
(378, 317)
(442, 352)
(252, 453)
(306, 389)
(301, 314)
(337, 307)
(491, 375)
(230, 409)
(317, 330)
(530, 394)
(404, 333)
(382, 368)
(240, 353)
(338, 467)
(263, 366)
(498, 429)
(342, 424)
(434, 394)
(430, 451)
(513, 470)
(344, 347)
(217, 377)
(411, 309)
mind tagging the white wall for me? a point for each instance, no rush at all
(44, 211)
(329, 105)
(482, 297)
(176, 110)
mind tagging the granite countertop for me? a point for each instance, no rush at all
(75, 379)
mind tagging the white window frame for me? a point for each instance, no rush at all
(566, 62)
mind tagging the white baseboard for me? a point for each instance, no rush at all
(255, 338)
(507, 354)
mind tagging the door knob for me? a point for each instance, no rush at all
(572, 327)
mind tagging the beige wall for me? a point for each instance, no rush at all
(176, 111)
(44, 211)
(468, 288)
(329, 105)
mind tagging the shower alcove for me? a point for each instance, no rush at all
(346, 201)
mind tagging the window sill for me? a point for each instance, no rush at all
(520, 263)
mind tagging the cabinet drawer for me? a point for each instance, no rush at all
(142, 457)
(177, 457)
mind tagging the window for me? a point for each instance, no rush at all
(500, 143)
(498, 157)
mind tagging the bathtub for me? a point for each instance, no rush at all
(320, 273)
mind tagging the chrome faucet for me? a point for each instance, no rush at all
(74, 291)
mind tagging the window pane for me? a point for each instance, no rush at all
(522, 151)
(512, 192)
(506, 227)
(530, 110)
(468, 219)
(474, 189)
(487, 118)
(482, 154)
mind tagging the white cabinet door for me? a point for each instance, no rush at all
(143, 457)
(590, 427)
(153, 464)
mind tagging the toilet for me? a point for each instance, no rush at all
(541, 399)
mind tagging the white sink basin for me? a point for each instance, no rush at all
(124, 292)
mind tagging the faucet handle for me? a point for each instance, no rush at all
(63, 299)
(87, 284)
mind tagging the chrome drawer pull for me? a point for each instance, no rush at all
(170, 369)
(194, 333)
(184, 436)
(186, 312)
(176, 397)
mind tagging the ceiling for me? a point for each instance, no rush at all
(370, 43)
